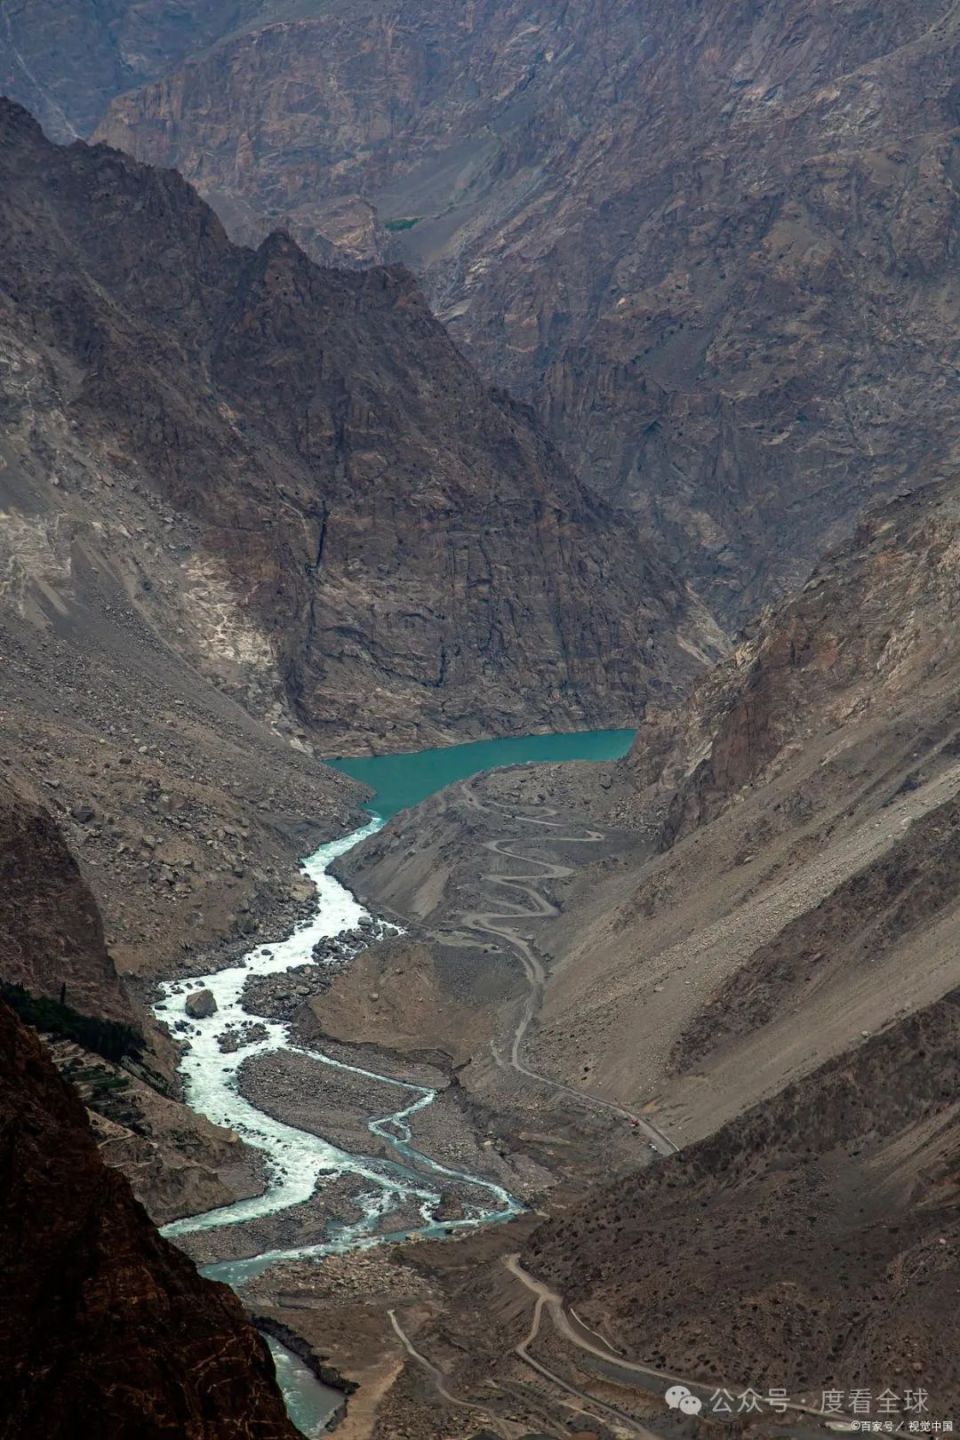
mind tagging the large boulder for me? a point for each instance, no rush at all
(201, 1004)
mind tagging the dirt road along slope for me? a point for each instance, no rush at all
(799, 881)
(779, 874)
(812, 1243)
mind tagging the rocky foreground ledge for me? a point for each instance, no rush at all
(106, 1330)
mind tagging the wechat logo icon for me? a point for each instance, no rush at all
(678, 1397)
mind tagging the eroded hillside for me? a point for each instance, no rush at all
(786, 880)
(739, 943)
(810, 1244)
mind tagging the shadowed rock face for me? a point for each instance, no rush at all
(715, 248)
(50, 930)
(113, 46)
(411, 559)
(52, 946)
(870, 638)
(106, 1330)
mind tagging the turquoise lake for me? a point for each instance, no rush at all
(404, 780)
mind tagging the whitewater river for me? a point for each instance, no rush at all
(297, 1162)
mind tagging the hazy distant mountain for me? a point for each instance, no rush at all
(715, 247)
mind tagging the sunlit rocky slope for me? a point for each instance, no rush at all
(760, 958)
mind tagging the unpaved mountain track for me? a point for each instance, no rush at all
(616, 1367)
(434, 1371)
(544, 1298)
(501, 925)
(442, 1388)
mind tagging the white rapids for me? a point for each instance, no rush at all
(297, 1162)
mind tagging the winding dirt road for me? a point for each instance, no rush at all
(629, 1372)
(501, 924)
(545, 1298)
(439, 1379)
(434, 1371)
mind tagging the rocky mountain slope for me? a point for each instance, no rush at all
(786, 880)
(368, 539)
(115, 46)
(716, 252)
(56, 970)
(811, 787)
(745, 937)
(106, 1329)
(812, 1243)
(51, 937)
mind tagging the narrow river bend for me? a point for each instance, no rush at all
(297, 1161)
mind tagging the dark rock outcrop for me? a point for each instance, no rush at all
(51, 936)
(106, 1330)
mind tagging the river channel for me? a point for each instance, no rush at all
(297, 1162)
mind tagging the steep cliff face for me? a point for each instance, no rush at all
(126, 647)
(801, 808)
(106, 1330)
(113, 45)
(715, 250)
(403, 556)
(51, 937)
(52, 949)
(870, 637)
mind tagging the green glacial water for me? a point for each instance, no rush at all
(311, 1405)
(404, 780)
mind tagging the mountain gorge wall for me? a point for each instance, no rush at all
(402, 557)
(714, 250)
(105, 1328)
(756, 952)
(786, 876)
